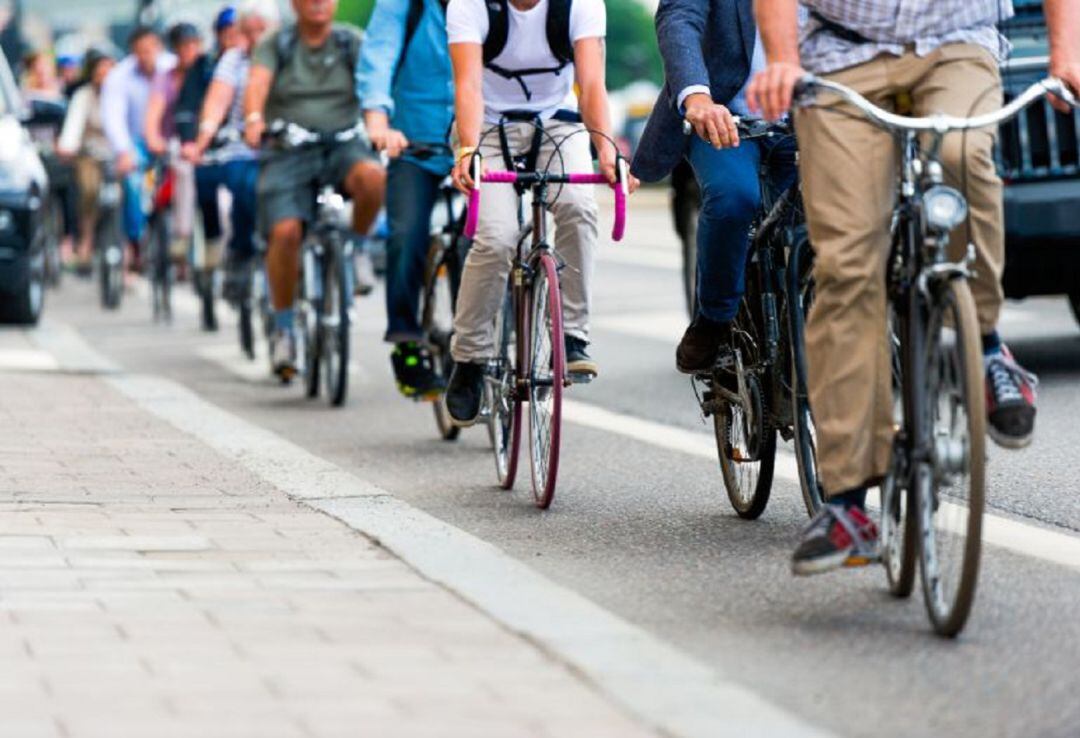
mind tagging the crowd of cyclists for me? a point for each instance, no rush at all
(433, 84)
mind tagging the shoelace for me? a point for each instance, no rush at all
(1006, 376)
(860, 546)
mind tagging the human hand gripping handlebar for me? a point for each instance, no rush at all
(621, 189)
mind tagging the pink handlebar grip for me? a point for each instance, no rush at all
(619, 228)
(472, 215)
(500, 177)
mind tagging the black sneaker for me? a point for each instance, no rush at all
(414, 371)
(465, 392)
(699, 348)
(578, 360)
(1010, 400)
(836, 537)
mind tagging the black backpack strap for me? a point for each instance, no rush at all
(833, 28)
(412, 22)
(558, 30)
(348, 43)
(285, 45)
(498, 13)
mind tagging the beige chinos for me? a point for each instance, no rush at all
(483, 282)
(848, 170)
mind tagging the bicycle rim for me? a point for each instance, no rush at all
(504, 419)
(951, 486)
(308, 347)
(802, 417)
(899, 525)
(547, 371)
(747, 451)
(334, 337)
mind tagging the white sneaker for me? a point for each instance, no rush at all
(364, 271)
(283, 355)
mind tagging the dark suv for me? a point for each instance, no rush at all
(1038, 159)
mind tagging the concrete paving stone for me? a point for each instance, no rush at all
(146, 563)
(32, 561)
(32, 727)
(21, 543)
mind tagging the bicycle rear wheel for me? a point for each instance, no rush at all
(335, 323)
(110, 250)
(547, 372)
(800, 298)
(504, 418)
(950, 487)
(899, 522)
(747, 450)
(161, 289)
(437, 322)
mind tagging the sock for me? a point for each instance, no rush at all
(991, 343)
(283, 319)
(358, 240)
(852, 498)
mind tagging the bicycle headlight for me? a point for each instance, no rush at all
(945, 207)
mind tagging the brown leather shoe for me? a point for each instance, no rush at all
(700, 346)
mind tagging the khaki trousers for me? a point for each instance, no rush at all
(849, 174)
(483, 281)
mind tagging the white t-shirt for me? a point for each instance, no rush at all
(526, 48)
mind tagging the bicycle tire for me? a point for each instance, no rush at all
(547, 374)
(437, 291)
(159, 268)
(334, 326)
(110, 254)
(246, 328)
(799, 299)
(504, 416)
(725, 429)
(899, 525)
(953, 308)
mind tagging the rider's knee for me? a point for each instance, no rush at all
(732, 199)
(366, 179)
(287, 233)
(970, 156)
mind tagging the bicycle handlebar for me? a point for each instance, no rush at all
(620, 188)
(940, 124)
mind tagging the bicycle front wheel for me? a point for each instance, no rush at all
(547, 372)
(504, 406)
(160, 268)
(950, 487)
(335, 338)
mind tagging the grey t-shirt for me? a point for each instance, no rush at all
(317, 88)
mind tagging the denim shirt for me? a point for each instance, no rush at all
(418, 97)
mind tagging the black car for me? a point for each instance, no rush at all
(23, 191)
(1038, 159)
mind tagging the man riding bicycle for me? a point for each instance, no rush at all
(512, 69)
(707, 76)
(234, 167)
(124, 99)
(305, 75)
(942, 56)
(407, 89)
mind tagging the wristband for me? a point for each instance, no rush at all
(255, 117)
(464, 151)
(207, 126)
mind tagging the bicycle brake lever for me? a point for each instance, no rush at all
(805, 92)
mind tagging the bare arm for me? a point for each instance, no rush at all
(258, 89)
(468, 62)
(216, 104)
(590, 76)
(778, 23)
(1063, 23)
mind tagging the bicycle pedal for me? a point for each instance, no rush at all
(580, 377)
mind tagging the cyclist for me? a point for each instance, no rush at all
(235, 167)
(710, 52)
(124, 99)
(512, 61)
(305, 74)
(407, 89)
(944, 56)
(189, 100)
(82, 139)
(186, 43)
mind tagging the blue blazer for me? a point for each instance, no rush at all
(702, 42)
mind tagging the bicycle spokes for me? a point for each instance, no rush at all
(547, 372)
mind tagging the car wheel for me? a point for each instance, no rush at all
(23, 306)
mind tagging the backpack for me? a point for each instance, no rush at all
(347, 42)
(558, 38)
(412, 22)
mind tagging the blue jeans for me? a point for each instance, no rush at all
(132, 185)
(730, 198)
(239, 178)
(411, 193)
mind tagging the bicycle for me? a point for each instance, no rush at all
(933, 498)
(158, 186)
(759, 389)
(530, 363)
(442, 277)
(109, 239)
(323, 320)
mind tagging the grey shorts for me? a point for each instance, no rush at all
(289, 180)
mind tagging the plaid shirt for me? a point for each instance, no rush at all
(892, 25)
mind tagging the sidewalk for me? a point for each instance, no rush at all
(151, 587)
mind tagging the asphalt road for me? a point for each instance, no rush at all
(645, 530)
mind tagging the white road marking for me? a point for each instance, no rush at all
(653, 681)
(21, 360)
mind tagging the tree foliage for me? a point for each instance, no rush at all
(631, 41)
